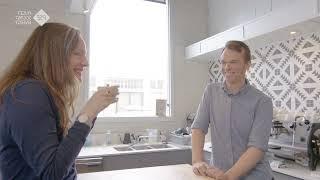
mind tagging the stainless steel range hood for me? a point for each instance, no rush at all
(301, 17)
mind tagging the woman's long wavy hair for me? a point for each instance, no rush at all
(45, 57)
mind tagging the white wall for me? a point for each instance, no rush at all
(13, 36)
(188, 24)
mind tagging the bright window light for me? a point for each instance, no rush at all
(129, 47)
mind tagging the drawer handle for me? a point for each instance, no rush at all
(90, 159)
(90, 163)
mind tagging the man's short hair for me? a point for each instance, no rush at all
(239, 46)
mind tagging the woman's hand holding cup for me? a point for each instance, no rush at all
(100, 100)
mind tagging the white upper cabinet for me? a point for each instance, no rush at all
(218, 41)
(202, 50)
(262, 7)
(193, 50)
(282, 17)
(271, 22)
(226, 14)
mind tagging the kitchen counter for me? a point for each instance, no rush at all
(98, 151)
(172, 172)
(298, 171)
(293, 170)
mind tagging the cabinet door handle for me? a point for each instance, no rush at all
(90, 161)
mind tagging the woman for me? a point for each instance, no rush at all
(37, 92)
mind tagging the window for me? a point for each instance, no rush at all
(129, 47)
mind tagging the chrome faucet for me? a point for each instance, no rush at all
(137, 139)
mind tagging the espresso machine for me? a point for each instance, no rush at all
(296, 138)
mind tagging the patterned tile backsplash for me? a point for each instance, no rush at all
(287, 71)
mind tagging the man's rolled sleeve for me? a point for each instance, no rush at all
(262, 124)
(202, 118)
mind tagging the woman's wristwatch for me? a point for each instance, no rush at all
(83, 118)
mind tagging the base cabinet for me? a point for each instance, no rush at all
(87, 165)
(146, 159)
(137, 160)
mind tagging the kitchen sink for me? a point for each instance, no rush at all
(123, 148)
(143, 147)
(160, 146)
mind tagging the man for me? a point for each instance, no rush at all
(240, 118)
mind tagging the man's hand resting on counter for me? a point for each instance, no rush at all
(203, 169)
(218, 174)
(200, 168)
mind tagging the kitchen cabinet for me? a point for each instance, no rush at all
(146, 159)
(271, 27)
(262, 7)
(218, 41)
(279, 4)
(86, 165)
(203, 50)
(283, 17)
(225, 14)
(133, 160)
(193, 50)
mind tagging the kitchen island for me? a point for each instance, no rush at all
(171, 172)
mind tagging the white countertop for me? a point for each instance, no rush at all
(98, 151)
(294, 170)
(299, 171)
(177, 172)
